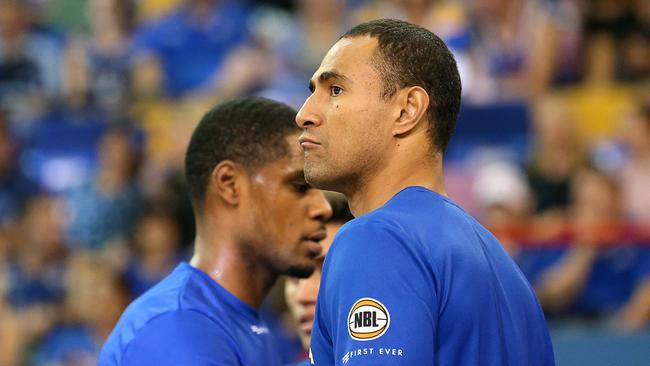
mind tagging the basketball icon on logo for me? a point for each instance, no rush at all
(368, 319)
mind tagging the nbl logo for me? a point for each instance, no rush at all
(368, 319)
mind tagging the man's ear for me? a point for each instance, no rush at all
(413, 103)
(226, 182)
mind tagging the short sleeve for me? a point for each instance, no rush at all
(378, 302)
(181, 338)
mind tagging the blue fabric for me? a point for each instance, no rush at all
(189, 319)
(26, 289)
(614, 275)
(110, 78)
(448, 292)
(66, 345)
(192, 50)
(139, 279)
(301, 363)
(15, 190)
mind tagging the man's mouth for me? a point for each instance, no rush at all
(313, 242)
(307, 142)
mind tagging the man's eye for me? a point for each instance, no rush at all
(336, 90)
(302, 187)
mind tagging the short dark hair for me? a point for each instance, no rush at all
(250, 131)
(340, 208)
(409, 55)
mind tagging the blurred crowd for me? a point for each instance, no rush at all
(98, 99)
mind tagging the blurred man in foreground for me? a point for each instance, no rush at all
(256, 219)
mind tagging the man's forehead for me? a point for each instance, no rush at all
(345, 53)
(288, 168)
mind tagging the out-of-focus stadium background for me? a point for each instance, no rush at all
(98, 99)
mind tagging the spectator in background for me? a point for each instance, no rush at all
(35, 272)
(298, 42)
(102, 212)
(556, 154)
(625, 25)
(31, 279)
(96, 295)
(601, 272)
(513, 50)
(637, 45)
(157, 243)
(12, 337)
(506, 203)
(598, 101)
(185, 51)
(15, 187)
(447, 19)
(635, 174)
(301, 293)
(97, 67)
(616, 48)
(30, 63)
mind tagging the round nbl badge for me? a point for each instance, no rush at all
(368, 319)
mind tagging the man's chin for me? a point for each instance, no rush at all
(318, 179)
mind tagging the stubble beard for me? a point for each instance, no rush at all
(326, 177)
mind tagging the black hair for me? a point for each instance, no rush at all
(249, 131)
(409, 55)
(340, 209)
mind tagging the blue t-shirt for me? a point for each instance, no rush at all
(192, 50)
(420, 282)
(189, 319)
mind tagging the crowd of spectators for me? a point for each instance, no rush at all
(98, 99)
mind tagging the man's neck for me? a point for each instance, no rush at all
(225, 264)
(378, 187)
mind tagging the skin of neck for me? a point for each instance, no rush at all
(220, 254)
(410, 163)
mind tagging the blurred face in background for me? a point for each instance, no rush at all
(157, 236)
(594, 195)
(42, 229)
(320, 9)
(301, 294)
(553, 124)
(117, 153)
(107, 15)
(14, 19)
(95, 294)
(595, 207)
(636, 132)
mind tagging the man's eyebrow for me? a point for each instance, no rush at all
(326, 76)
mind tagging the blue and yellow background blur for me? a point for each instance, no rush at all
(98, 99)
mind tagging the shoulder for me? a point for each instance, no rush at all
(155, 307)
(415, 215)
(180, 337)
